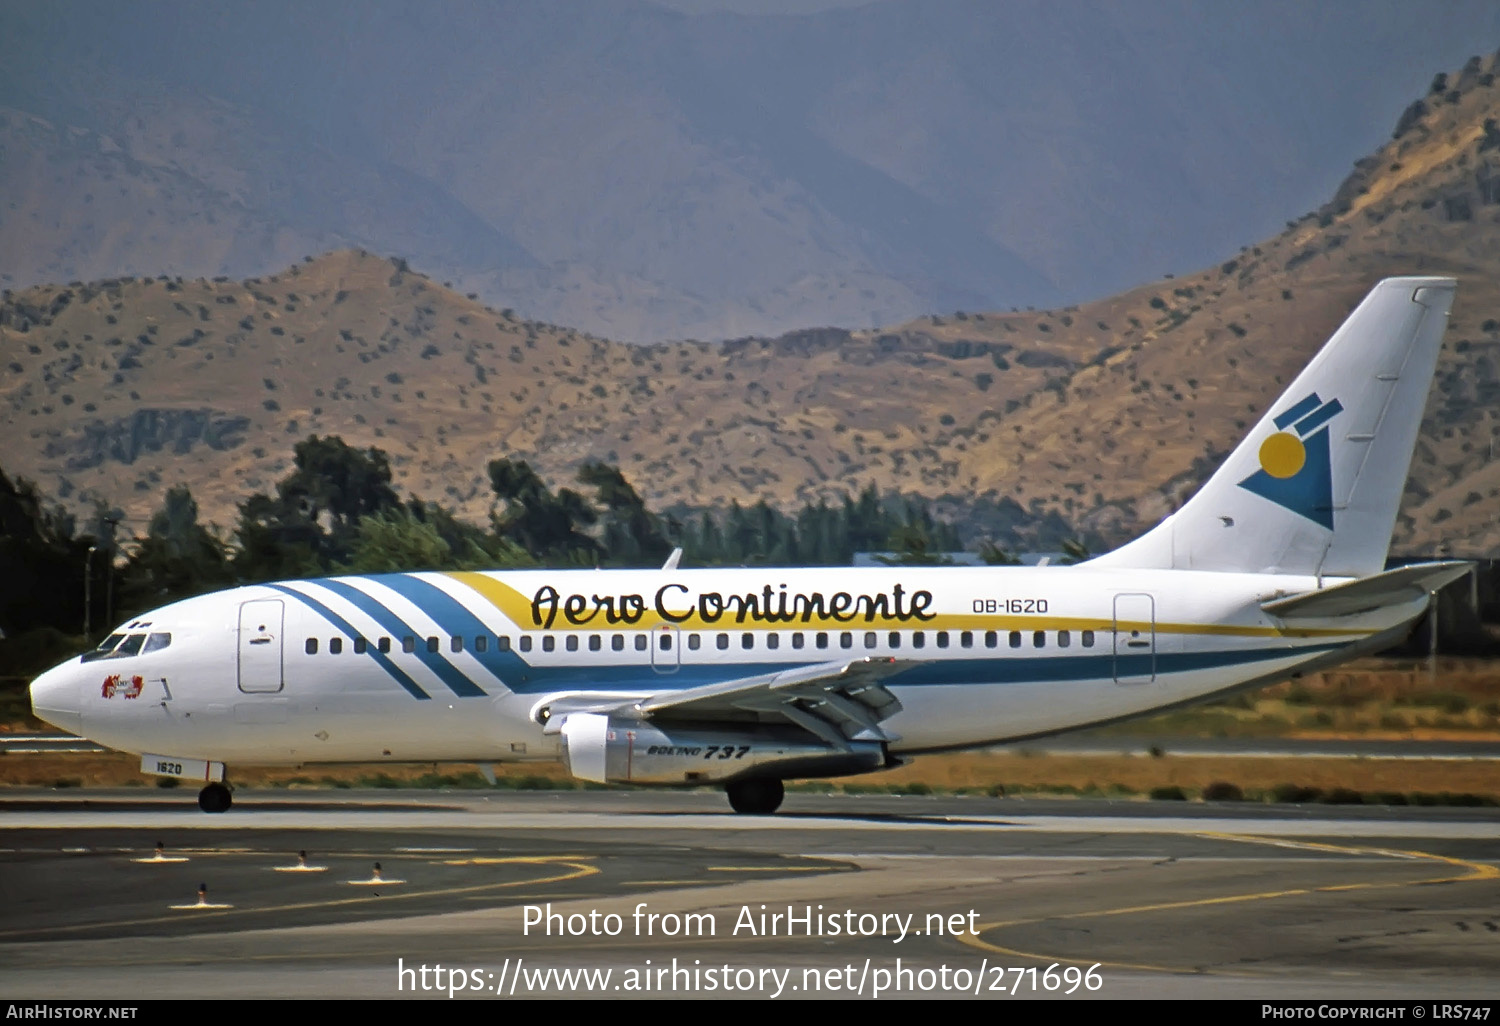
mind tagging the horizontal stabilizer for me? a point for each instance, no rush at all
(1394, 587)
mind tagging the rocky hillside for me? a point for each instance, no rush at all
(1105, 413)
(643, 174)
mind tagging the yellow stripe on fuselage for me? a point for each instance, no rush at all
(517, 608)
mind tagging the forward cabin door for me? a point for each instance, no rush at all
(1135, 639)
(260, 646)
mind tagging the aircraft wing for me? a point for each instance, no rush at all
(835, 701)
(1392, 587)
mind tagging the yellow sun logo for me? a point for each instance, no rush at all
(1282, 455)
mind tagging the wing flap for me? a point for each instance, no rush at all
(1393, 587)
(837, 701)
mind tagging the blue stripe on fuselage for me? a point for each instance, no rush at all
(338, 621)
(456, 620)
(449, 674)
(1001, 670)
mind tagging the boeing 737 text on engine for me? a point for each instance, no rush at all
(745, 678)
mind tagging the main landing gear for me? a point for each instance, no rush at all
(215, 798)
(755, 797)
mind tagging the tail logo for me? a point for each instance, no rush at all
(1295, 469)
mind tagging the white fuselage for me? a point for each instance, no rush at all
(455, 666)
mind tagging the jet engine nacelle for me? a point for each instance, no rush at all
(609, 750)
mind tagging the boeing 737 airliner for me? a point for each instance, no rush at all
(745, 678)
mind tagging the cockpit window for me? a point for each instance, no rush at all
(106, 647)
(132, 645)
(157, 642)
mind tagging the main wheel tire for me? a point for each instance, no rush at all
(215, 798)
(755, 797)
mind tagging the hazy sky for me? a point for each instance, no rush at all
(758, 6)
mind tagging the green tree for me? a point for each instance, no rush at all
(426, 536)
(42, 563)
(631, 534)
(549, 527)
(178, 556)
(994, 555)
(396, 541)
(309, 526)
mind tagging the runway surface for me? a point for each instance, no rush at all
(877, 896)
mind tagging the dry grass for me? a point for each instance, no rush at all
(1372, 699)
(1000, 772)
(1017, 773)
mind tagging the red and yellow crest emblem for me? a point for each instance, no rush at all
(117, 685)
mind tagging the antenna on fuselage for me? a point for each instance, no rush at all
(672, 560)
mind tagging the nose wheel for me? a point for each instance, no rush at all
(215, 798)
(755, 797)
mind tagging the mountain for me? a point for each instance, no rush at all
(1105, 414)
(644, 174)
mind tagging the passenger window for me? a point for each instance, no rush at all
(456, 643)
(991, 639)
(502, 643)
(548, 643)
(384, 645)
(1063, 639)
(942, 639)
(525, 644)
(918, 639)
(617, 642)
(360, 646)
(666, 641)
(722, 641)
(1038, 639)
(481, 642)
(641, 643)
(335, 646)
(894, 640)
(821, 640)
(846, 639)
(870, 639)
(432, 644)
(773, 640)
(571, 643)
(132, 645)
(408, 644)
(311, 647)
(966, 639)
(157, 642)
(1015, 639)
(1088, 639)
(797, 639)
(747, 640)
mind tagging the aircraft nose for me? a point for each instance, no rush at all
(54, 698)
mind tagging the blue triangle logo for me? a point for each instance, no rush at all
(1296, 468)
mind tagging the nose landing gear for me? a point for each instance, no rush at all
(215, 798)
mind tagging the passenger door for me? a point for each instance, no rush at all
(1135, 639)
(260, 646)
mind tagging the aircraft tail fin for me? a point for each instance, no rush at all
(1314, 487)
